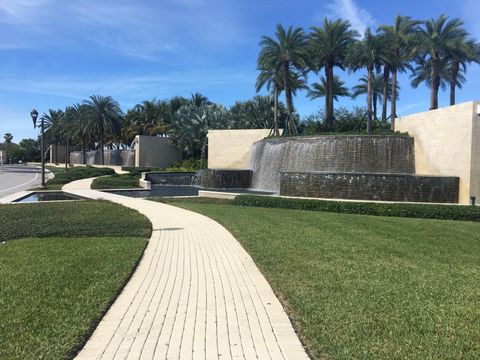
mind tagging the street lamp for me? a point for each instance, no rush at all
(34, 115)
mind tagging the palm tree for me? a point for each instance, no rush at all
(463, 52)
(272, 80)
(81, 131)
(320, 89)
(287, 53)
(367, 53)
(399, 41)
(329, 48)
(436, 40)
(53, 128)
(8, 138)
(105, 116)
(422, 73)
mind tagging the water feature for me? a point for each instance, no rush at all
(384, 154)
(348, 167)
(125, 157)
(41, 196)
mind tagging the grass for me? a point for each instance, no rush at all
(365, 287)
(67, 219)
(116, 181)
(67, 264)
(63, 177)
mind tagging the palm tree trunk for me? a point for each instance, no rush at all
(386, 75)
(66, 155)
(291, 129)
(435, 85)
(101, 150)
(453, 82)
(375, 101)
(84, 150)
(329, 97)
(275, 111)
(369, 100)
(56, 152)
(393, 112)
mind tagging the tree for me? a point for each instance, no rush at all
(367, 53)
(104, 116)
(320, 89)
(53, 122)
(329, 48)
(399, 41)
(463, 52)
(422, 73)
(31, 149)
(378, 88)
(288, 52)
(190, 126)
(436, 41)
(271, 78)
(8, 138)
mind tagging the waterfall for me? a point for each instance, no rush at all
(111, 157)
(354, 154)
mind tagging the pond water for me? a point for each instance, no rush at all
(47, 196)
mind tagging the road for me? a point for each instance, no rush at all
(15, 178)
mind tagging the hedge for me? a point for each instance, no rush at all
(426, 211)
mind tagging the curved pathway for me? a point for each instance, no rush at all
(196, 294)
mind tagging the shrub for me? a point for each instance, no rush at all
(77, 173)
(188, 165)
(426, 211)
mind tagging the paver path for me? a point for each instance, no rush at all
(196, 294)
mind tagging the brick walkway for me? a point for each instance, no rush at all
(196, 294)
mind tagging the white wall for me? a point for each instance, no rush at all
(447, 143)
(231, 149)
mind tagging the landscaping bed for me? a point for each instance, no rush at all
(63, 177)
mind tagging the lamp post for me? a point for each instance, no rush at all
(34, 115)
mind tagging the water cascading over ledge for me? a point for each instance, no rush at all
(356, 154)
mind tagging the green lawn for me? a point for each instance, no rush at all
(63, 177)
(61, 265)
(365, 287)
(116, 181)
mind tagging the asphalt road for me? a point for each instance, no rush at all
(15, 178)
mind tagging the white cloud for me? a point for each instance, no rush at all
(22, 11)
(359, 18)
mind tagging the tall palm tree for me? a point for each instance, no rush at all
(105, 116)
(329, 48)
(422, 73)
(272, 79)
(436, 40)
(463, 52)
(286, 53)
(367, 53)
(320, 89)
(377, 90)
(81, 131)
(53, 122)
(399, 40)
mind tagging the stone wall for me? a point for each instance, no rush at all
(447, 143)
(370, 186)
(155, 151)
(231, 149)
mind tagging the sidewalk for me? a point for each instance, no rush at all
(196, 294)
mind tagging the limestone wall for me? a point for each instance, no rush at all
(231, 149)
(155, 151)
(447, 142)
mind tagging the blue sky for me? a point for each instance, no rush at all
(57, 52)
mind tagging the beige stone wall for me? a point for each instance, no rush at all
(155, 151)
(231, 149)
(447, 143)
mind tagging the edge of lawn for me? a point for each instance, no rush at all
(88, 334)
